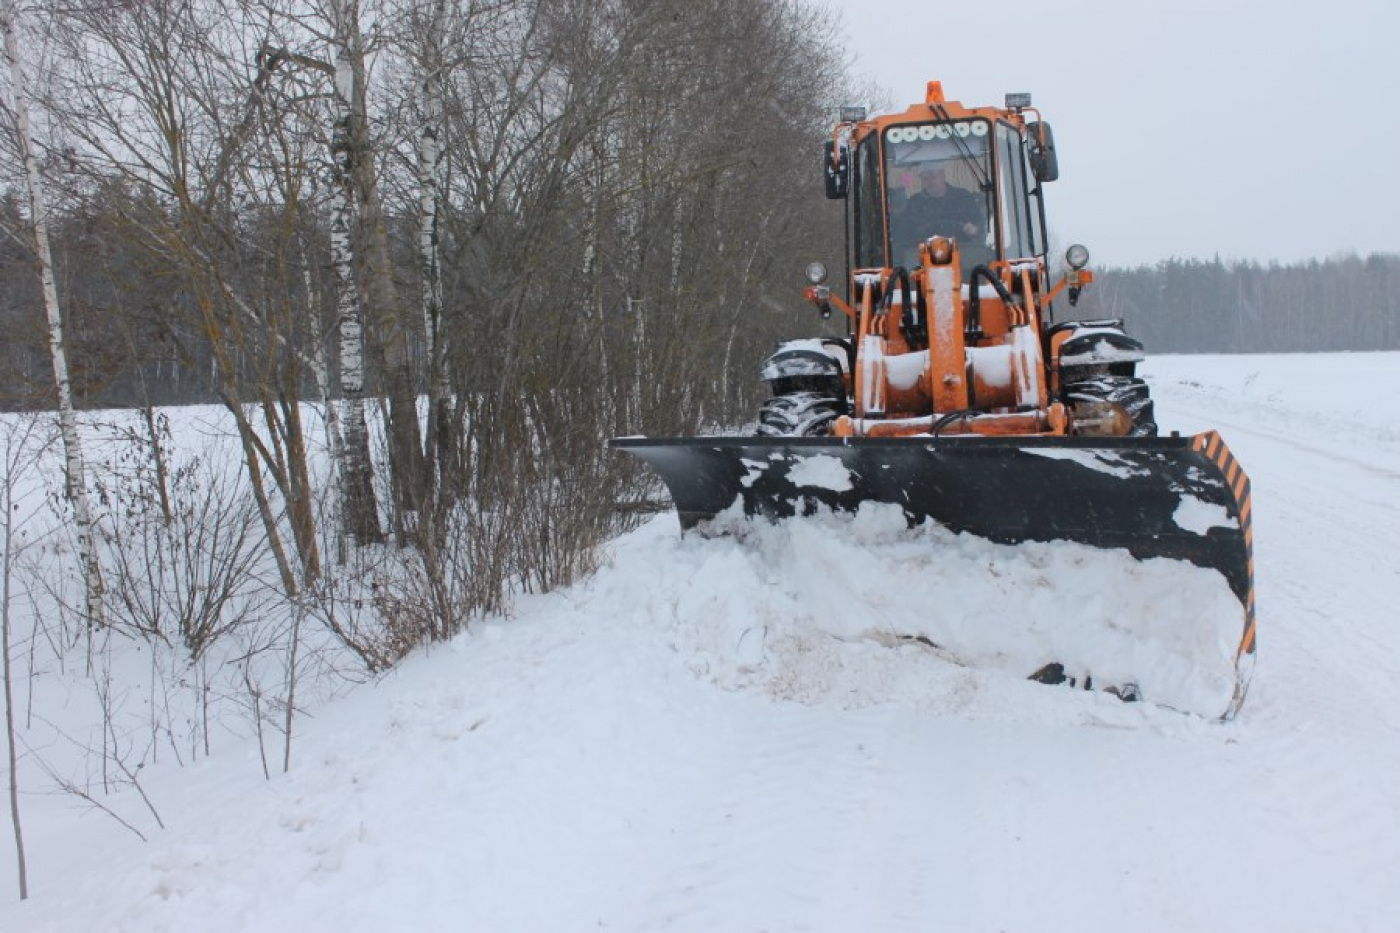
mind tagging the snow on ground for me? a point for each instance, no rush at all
(713, 735)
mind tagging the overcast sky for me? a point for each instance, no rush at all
(1247, 129)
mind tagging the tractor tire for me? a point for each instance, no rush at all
(797, 414)
(1128, 392)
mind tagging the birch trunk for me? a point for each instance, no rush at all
(68, 419)
(441, 460)
(319, 367)
(382, 302)
(359, 510)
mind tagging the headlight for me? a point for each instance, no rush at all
(1077, 256)
(816, 273)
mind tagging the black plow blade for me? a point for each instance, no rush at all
(1183, 498)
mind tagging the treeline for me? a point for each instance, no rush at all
(1195, 306)
(128, 350)
(124, 347)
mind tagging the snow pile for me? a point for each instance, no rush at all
(858, 610)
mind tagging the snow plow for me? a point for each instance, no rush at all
(956, 396)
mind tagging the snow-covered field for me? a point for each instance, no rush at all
(709, 735)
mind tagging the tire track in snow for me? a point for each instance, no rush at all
(885, 874)
(1308, 788)
(1229, 426)
(764, 856)
(1335, 590)
(869, 874)
(813, 834)
(1328, 681)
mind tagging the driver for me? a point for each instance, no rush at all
(940, 209)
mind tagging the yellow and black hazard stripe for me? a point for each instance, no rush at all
(1237, 482)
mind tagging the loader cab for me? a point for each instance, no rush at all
(968, 179)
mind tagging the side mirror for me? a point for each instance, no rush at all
(837, 169)
(1044, 163)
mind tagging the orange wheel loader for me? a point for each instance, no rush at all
(955, 394)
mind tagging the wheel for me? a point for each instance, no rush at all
(797, 414)
(1128, 392)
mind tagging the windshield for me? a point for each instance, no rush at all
(938, 179)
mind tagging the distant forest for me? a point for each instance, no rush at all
(1196, 306)
(1344, 303)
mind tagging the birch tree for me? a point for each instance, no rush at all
(384, 313)
(354, 471)
(432, 72)
(76, 474)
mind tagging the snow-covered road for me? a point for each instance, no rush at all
(688, 741)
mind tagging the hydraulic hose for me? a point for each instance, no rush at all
(974, 320)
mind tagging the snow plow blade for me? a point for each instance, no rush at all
(1182, 498)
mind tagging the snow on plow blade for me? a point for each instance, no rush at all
(1182, 498)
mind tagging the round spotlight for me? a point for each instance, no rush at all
(1077, 256)
(816, 273)
(940, 251)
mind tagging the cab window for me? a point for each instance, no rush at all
(1016, 219)
(939, 184)
(869, 208)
